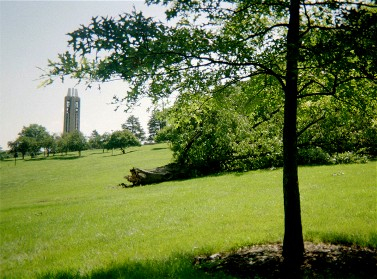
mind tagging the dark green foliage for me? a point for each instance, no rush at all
(133, 125)
(62, 143)
(50, 145)
(95, 140)
(166, 134)
(76, 141)
(235, 129)
(313, 156)
(239, 129)
(31, 140)
(4, 155)
(155, 124)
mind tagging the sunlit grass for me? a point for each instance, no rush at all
(65, 216)
(339, 203)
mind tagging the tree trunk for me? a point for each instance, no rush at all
(293, 245)
(157, 175)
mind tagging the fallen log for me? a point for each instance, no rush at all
(157, 175)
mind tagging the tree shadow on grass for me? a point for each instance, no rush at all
(57, 157)
(259, 261)
(120, 154)
(319, 261)
(35, 159)
(174, 267)
(369, 241)
(97, 153)
(241, 173)
(67, 157)
(159, 148)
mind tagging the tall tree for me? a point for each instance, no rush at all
(19, 145)
(155, 124)
(133, 125)
(104, 140)
(62, 143)
(122, 140)
(311, 48)
(49, 144)
(76, 141)
(31, 139)
(95, 140)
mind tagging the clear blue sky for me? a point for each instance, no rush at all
(34, 31)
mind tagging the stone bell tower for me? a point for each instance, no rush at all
(71, 111)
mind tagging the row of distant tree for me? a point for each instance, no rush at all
(34, 139)
(231, 131)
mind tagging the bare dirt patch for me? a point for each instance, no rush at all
(320, 261)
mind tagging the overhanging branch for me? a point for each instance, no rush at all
(310, 124)
(264, 31)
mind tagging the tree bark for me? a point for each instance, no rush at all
(157, 175)
(293, 245)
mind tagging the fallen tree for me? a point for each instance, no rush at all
(161, 174)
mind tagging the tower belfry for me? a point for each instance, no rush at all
(71, 111)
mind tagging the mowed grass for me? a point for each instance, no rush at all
(65, 217)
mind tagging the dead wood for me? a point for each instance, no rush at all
(157, 175)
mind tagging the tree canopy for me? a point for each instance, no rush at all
(97, 141)
(31, 139)
(311, 49)
(155, 124)
(133, 125)
(122, 140)
(240, 129)
(76, 141)
(215, 43)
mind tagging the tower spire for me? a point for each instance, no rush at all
(71, 111)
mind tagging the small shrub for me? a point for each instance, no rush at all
(313, 156)
(348, 158)
(4, 155)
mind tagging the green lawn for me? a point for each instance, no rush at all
(65, 217)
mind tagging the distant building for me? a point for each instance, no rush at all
(71, 111)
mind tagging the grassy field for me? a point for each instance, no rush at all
(65, 217)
